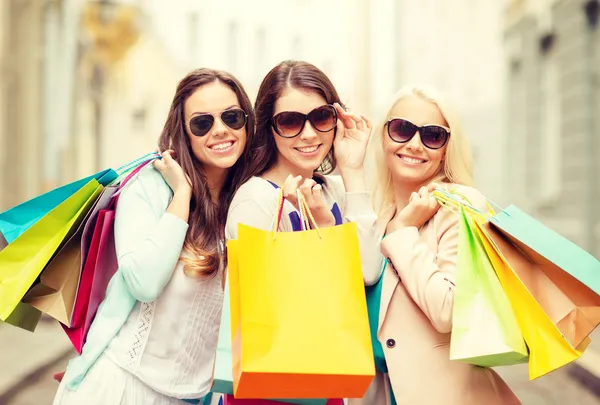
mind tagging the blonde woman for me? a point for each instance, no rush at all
(420, 146)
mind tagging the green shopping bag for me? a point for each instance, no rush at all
(22, 261)
(485, 331)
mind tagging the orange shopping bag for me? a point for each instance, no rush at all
(302, 325)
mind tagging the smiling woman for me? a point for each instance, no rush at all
(302, 134)
(154, 337)
(418, 147)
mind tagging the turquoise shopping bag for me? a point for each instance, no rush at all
(373, 294)
(15, 221)
(525, 230)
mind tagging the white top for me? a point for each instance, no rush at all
(255, 204)
(169, 339)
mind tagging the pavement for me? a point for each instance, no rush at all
(28, 361)
(25, 355)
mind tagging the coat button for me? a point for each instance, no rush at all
(390, 343)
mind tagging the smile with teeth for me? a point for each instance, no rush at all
(308, 149)
(411, 160)
(221, 146)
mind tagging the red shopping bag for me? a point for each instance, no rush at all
(100, 266)
(230, 400)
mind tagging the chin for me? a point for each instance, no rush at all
(226, 163)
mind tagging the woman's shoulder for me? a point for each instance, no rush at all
(256, 189)
(149, 185)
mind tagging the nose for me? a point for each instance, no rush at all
(308, 132)
(219, 129)
(415, 143)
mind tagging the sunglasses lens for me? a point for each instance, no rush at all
(201, 124)
(288, 124)
(323, 118)
(401, 130)
(434, 137)
(234, 119)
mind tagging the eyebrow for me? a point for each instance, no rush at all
(202, 113)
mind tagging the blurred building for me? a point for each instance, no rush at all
(457, 47)
(87, 84)
(21, 117)
(553, 120)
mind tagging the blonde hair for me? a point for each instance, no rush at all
(457, 166)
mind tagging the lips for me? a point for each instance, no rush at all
(221, 145)
(308, 149)
(411, 159)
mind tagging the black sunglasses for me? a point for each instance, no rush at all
(432, 136)
(234, 118)
(289, 124)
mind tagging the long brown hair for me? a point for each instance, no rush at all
(207, 218)
(293, 74)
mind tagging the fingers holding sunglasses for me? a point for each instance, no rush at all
(344, 116)
(366, 120)
(361, 123)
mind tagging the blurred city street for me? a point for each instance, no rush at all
(87, 84)
(50, 344)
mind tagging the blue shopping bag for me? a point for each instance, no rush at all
(15, 221)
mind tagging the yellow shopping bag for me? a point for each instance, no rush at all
(549, 349)
(22, 261)
(302, 327)
(546, 300)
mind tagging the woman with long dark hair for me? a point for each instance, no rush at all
(303, 134)
(154, 337)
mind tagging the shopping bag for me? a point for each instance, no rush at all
(231, 400)
(20, 218)
(548, 348)
(539, 301)
(566, 294)
(223, 374)
(303, 325)
(99, 267)
(55, 293)
(23, 316)
(3, 242)
(527, 232)
(373, 296)
(485, 331)
(563, 278)
(22, 261)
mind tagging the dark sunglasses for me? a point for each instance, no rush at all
(235, 119)
(289, 124)
(432, 136)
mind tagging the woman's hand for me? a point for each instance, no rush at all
(173, 174)
(313, 194)
(421, 207)
(351, 139)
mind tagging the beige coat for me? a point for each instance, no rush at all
(416, 319)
